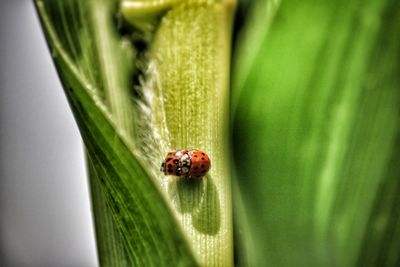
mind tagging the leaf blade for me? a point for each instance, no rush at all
(141, 218)
(319, 110)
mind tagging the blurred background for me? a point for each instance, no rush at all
(44, 197)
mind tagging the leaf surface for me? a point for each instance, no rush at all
(316, 134)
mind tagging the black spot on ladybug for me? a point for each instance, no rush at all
(169, 166)
(204, 171)
(202, 165)
(203, 154)
(202, 158)
(195, 168)
(195, 156)
(170, 170)
(176, 161)
(168, 159)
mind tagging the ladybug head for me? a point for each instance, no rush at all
(185, 163)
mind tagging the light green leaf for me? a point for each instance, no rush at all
(137, 94)
(316, 135)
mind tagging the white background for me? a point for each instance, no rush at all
(45, 217)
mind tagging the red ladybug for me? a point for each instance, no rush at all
(189, 163)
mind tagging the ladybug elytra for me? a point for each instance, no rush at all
(189, 163)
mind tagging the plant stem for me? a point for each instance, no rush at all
(186, 95)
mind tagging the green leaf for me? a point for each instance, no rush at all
(137, 94)
(316, 135)
(134, 226)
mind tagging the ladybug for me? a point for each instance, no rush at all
(188, 163)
